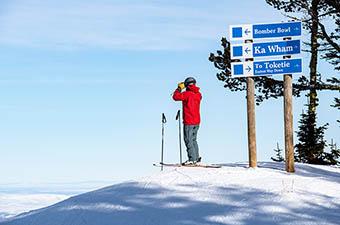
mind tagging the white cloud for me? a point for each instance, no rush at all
(113, 25)
(16, 198)
(13, 204)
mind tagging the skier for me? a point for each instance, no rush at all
(191, 99)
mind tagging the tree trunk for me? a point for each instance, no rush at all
(313, 98)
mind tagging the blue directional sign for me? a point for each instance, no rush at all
(270, 30)
(266, 68)
(253, 50)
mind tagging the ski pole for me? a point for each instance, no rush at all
(162, 150)
(178, 117)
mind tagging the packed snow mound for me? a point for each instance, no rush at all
(233, 194)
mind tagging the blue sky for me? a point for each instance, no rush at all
(83, 85)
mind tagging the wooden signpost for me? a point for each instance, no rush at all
(248, 51)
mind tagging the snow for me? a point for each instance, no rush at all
(233, 194)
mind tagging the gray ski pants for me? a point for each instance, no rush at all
(190, 139)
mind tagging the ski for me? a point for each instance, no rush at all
(167, 164)
(192, 165)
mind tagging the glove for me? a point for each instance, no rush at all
(181, 86)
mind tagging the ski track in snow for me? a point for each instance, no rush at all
(233, 194)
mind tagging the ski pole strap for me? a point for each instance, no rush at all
(163, 118)
(178, 113)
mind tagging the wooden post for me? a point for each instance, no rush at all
(251, 117)
(251, 122)
(288, 119)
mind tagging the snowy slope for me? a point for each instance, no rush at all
(233, 194)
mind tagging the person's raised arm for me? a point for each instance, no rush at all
(178, 95)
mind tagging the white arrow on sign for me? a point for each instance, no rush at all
(240, 51)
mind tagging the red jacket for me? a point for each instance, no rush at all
(191, 99)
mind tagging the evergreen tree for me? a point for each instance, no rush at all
(333, 157)
(311, 144)
(278, 156)
(337, 100)
(337, 105)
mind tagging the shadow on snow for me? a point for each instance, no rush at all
(307, 170)
(146, 204)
